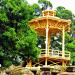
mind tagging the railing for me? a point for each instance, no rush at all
(55, 53)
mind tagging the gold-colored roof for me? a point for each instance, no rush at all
(49, 18)
(55, 24)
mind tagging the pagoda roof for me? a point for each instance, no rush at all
(52, 18)
(55, 24)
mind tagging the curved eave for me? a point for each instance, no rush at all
(52, 18)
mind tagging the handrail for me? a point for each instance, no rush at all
(55, 53)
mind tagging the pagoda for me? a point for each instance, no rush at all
(46, 25)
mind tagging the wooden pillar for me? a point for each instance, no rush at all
(63, 42)
(63, 66)
(49, 42)
(46, 40)
(29, 63)
(63, 48)
(46, 61)
(46, 52)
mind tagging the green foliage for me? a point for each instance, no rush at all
(7, 63)
(17, 41)
(3, 16)
(73, 25)
(69, 37)
(63, 13)
(45, 4)
(60, 8)
(73, 57)
(35, 6)
(10, 33)
(70, 46)
(36, 9)
(1, 52)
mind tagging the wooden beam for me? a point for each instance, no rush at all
(63, 42)
(46, 43)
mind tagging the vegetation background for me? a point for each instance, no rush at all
(17, 41)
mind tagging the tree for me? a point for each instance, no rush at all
(17, 41)
(45, 4)
(36, 9)
(69, 37)
(69, 46)
(63, 13)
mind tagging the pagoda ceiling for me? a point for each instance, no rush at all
(54, 23)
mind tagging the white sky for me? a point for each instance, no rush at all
(68, 4)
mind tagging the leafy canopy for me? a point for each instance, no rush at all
(17, 41)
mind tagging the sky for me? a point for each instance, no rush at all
(68, 4)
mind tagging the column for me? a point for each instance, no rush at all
(49, 42)
(63, 42)
(63, 66)
(46, 52)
